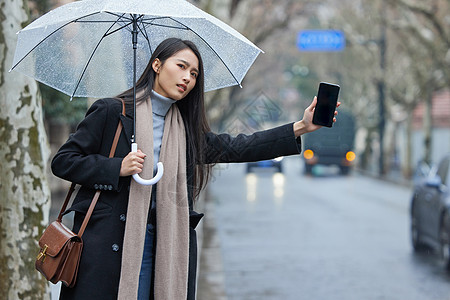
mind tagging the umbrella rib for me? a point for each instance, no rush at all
(145, 34)
(102, 21)
(90, 58)
(154, 19)
(212, 49)
(57, 29)
(144, 20)
(168, 26)
(120, 16)
(150, 21)
(109, 33)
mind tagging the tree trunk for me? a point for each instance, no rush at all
(407, 166)
(427, 125)
(24, 151)
(390, 147)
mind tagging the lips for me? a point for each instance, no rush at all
(182, 86)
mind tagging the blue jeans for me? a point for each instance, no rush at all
(145, 276)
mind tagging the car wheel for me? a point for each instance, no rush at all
(345, 170)
(417, 244)
(444, 239)
(308, 169)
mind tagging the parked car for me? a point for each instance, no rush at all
(275, 163)
(430, 212)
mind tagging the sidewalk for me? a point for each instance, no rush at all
(210, 279)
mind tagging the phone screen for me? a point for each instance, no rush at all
(326, 104)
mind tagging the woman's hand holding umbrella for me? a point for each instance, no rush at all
(132, 163)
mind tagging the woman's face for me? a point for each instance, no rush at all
(177, 76)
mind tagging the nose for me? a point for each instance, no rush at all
(186, 77)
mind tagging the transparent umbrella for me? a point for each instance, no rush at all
(97, 48)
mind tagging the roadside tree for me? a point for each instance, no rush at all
(24, 192)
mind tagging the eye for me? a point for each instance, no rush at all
(181, 66)
(194, 74)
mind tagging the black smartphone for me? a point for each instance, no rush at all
(327, 97)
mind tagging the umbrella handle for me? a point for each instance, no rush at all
(152, 181)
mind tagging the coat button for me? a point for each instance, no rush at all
(96, 186)
(115, 247)
(110, 187)
(122, 217)
(100, 186)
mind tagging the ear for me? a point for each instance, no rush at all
(156, 65)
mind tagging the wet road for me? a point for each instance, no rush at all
(287, 236)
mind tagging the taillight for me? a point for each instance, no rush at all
(308, 154)
(350, 156)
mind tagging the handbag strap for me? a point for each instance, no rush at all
(97, 193)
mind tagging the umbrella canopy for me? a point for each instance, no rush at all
(85, 49)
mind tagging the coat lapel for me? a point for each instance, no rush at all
(127, 127)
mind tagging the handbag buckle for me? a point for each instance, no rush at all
(42, 254)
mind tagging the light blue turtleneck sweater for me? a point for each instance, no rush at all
(160, 107)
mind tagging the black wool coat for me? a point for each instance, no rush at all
(83, 159)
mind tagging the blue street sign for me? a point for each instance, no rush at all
(321, 40)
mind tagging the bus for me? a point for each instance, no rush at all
(331, 146)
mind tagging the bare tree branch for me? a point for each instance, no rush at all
(429, 13)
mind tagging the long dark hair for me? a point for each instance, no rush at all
(191, 107)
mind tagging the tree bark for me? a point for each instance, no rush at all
(427, 125)
(24, 151)
(407, 166)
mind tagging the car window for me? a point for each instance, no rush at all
(443, 170)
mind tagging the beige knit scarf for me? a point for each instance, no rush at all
(172, 211)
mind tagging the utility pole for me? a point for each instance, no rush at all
(382, 87)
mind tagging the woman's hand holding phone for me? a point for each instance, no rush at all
(306, 124)
(327, 97)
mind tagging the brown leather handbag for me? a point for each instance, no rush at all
(60, 248)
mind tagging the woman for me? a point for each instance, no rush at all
(140, 241)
